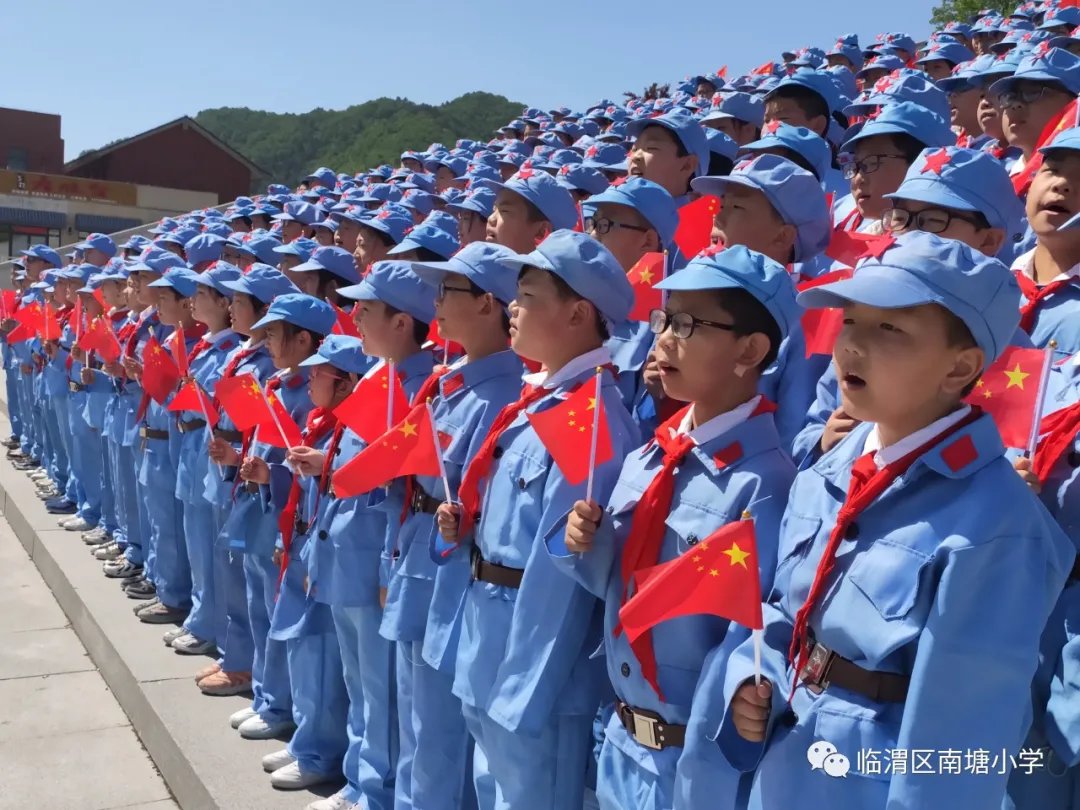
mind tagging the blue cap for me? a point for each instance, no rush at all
(330, 225)
(1055, 66)
(335, 260)
(261, 245)
(479, 200)
(136, 242)
(77, 272)
(685, 127)
(951, 52)
(1055, 17)
(794, 193)
(216, 276)
(343, 352)
(814, 81)
(416, 180)
(394, 283)
(98, 241)
(431, 235)
(304, 311)
(739, 268)
(587, 267)
(967, 180)
(901, 41)
(301, 212)
(922, 268)
(805, 142)
(301, 248)
(907, 85)
(417, 200)
(579, 177)
(481, 263)
(205, 247)
(965, 74)
(181, 279)
(649, 199)
(540, 189)
(391, 219)
(325, 177)
(263, 283)
(740, 106)
(603, 156)
(156, 260)
(45, 253)
(1066, 139)
(848, 48)
(906, 118)
(180, 236)
(721, 144)
(886, 62)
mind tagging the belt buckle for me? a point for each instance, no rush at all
(815, 674)
(301, 525)
(417, 502)
(474, 563)
(645, 729)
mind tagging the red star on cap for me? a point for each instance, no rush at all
(565, 169)
(771, 127)
(384, 214)
(618, 181)
(743, 164)
(525, 172)
(876, 247)
(874, 114)
(713, 249)
(936, 161)
(592, 151)
(1041, 48)
(883, 84)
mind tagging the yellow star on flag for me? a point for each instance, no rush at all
(737, 555)
(645, 276)
(592, 403)
(987, 394)
(408, 429)
(1016, 377)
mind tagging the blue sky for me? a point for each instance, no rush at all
(118, 67)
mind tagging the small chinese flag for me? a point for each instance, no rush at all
(8, 301)
(847, 247)
(566, 431)
(50, 324)
(30, 320)
(1009, 391)
(191, 397)
(99, 337)
(642, 276)
(344, 325)
(178, 347)
(77, 317)
(722, 72)
(365, 410)
(822, 326)
(406, 449)
(719, 576)
(287, 435)
(694, 232)
(242, 399)
(160, 375)
(1068, 117)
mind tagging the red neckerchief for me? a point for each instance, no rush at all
(867, 483)
(1059, 432)
(319, 422)
(852, 222)
(428, 390)
(1035, 294)
(646, 538)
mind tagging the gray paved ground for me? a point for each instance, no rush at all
(65, 744)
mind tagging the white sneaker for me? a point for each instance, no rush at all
(335, 802)
(77, 524)
(255, 728)
(292, 778)
(236, 718)
(38, 475)
(172, 635)
(188, 644)
(276, 760)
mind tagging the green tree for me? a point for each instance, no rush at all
(964, 10)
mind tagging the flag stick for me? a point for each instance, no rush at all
(390, 395)
(438, 452)
(274, 416)
(593, 439)
(757, 657)
(664, 293)
(1040, 397)
(209, 430)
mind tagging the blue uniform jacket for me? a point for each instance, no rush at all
(523, 656)
(930, 584)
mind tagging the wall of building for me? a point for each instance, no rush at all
(31, 139)
(176, 157)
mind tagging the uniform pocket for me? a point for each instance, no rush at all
(888, 575)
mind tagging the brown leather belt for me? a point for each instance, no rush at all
(649, 728)
(825, 668)
(228, 435)
(496, 574)
(251, 487)
(422, 502)
(75, 387)
(194, 424)
(150, 433)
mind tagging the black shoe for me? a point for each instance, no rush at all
(16, 454)
(61, 506)
(141, 590)
(26, 464)
(11, 443)
(124, 571)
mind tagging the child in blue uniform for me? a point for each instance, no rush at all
(242, 639)
(209, 306)
(722, 326)
(528, 687)
(884, 546)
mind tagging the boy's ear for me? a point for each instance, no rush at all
(754, 347)
(542, 230)
(967, 368)
(689, 165)
(993, 239)
(786, 237)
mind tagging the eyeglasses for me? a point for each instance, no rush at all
(682, 324)
(443, 289)
(327, 371)
(868, 165)
(467, 218)
(230, 256)
(602, 225)
(930, 220)
(1022, 96)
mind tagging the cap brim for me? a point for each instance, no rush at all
(534, 259)
(266, 320)
(718, 185)
(433, 273)
(307, 266)
(932, 193)
(702, 278)
(314, 360)
(887, 290)
(359, 292)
